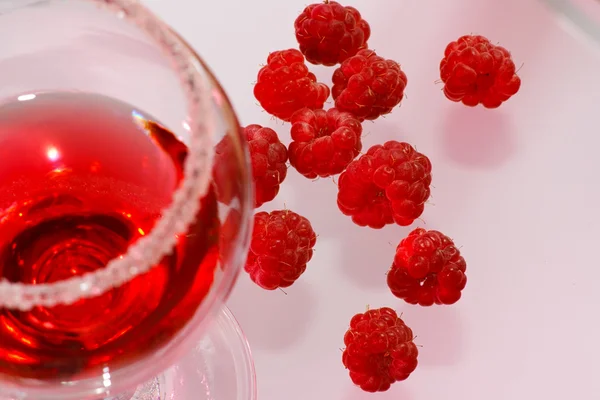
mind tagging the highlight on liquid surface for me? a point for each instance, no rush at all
(81, 178)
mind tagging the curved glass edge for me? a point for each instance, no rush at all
(197, 326)
(244, 349)
(577, 16)
(243, 159)
(7, 6)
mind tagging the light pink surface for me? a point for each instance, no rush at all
(517, 188)
(590, 7)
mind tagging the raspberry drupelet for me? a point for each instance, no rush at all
(379, 350)
(324, 142)
(269, 157)
(368, 86)
(390, 183)
(285, 85)
(428, 269)
(475, 71)
(328, 33)
(282, 244)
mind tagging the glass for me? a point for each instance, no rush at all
(109, 275)
(584, 14)
(218, 367)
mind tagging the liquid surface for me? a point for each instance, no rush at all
(81, 178)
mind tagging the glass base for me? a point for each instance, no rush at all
(583, 14)
(219, 367)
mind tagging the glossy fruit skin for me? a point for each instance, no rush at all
(428, 269)
(389, 184)
(475, 71)
(281, 246)
(379, 350)
(285, 85)
(328, 33)
(368, 86)
(269, 162)
(324, 142)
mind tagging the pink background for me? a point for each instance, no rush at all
(517, 188)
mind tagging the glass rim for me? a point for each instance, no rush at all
(130, 375)
(587, 24)
(176, 218)
(245, 352)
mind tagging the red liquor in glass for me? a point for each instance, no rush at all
(82, 177)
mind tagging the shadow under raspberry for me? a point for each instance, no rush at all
(398, 391)
(478, 137)
(369, 254)
(439, 332)
(272, 320)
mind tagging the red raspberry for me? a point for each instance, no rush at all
(368, 86)
(329, 33)
(324, 142)
(475, 71)
(388, 184)
(282, 244)
(225, 170)
(269, 157)
(285, 85)
(379, 350)
(427, 269)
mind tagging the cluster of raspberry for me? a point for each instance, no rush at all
(389, 183)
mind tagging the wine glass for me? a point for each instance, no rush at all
(583, 14)
(125, 205)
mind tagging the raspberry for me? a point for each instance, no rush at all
(379, 350)
(388, 184)
(285, 85)
(328, 33)
(225, 170)
(282, 244)
(368, 86)
(427, 269)
(269, 157)
(475, 71)
(324, 142)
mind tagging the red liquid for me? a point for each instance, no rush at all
(81, 178)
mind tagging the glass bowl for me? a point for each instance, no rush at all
(583, 14)
(119, 50)
(220, 366)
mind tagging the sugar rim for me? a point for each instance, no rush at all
(176, 218)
